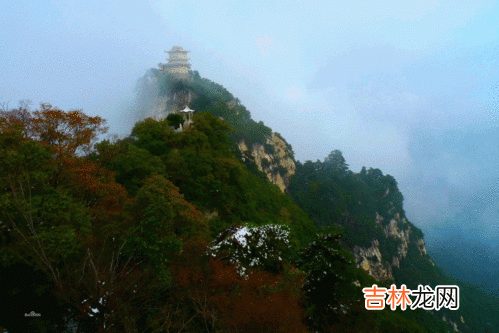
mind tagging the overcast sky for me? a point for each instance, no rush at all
(410, 87)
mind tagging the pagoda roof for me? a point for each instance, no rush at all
(177, 49)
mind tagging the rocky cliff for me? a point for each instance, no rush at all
(371, 259)
(159, 95)
(278, 164)
(157, 100)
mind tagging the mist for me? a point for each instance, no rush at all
(411, 89)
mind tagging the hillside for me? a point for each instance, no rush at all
(367, 207)
(208, 227)
(161, 94)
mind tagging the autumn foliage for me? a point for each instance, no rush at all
(262, 302)
(94, 186)
(66, 132)
(121, 263)
(254, 308)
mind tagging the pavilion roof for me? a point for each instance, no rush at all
(187, 109)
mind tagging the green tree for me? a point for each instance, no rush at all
(53, 207)
(160, 220)
(132, 165)
(154, 136)
(336, 161)
(175, 119)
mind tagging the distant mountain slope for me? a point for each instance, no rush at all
(466, 259)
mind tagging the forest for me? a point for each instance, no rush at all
(175, 231)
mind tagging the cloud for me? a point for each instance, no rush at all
(357, 63)
(264, 42)
(418, 118)
(294, 93)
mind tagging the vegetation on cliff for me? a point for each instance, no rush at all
(362, 205)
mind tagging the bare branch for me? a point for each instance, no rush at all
(93, 266)
(111, 270)
(29, 222)
(133, 268)
(83, 269)
(4, 107)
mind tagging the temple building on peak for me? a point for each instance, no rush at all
(178, 63)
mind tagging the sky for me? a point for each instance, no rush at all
(409, 87)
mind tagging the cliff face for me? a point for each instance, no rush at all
(153, 103)
(371, 259)
(160, 95)
(178, 100)
(278, 165)
(149, 103)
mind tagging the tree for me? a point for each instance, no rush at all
(52, 216)
(175, 120)
(264, 302)
(132, 165)
(329, 288)
(336, 161)
(160, 220)
(20, 115)
(266, 247)
(223, 300)
(155, 136)
(24, 171)
(67, 132)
